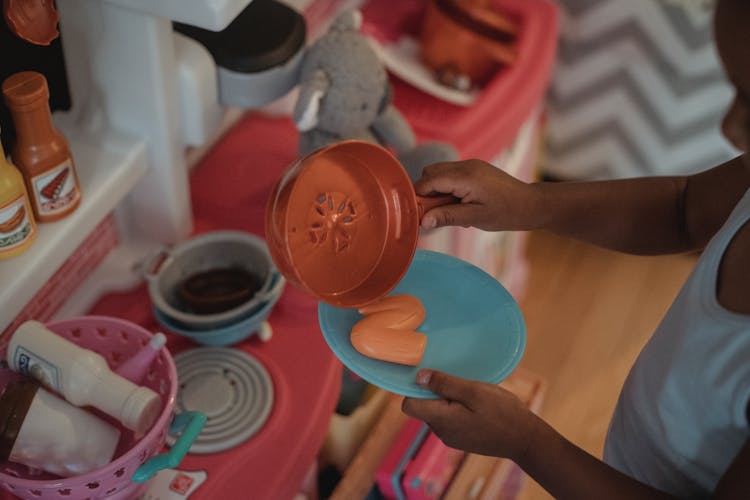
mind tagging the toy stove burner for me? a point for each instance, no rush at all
(230, 387)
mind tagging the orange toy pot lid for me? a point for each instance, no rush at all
(343, 222)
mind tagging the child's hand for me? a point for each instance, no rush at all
(490, 199)
(474, 416)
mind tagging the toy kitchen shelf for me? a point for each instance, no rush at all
(108, 168)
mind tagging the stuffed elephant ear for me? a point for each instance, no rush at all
(307, 107)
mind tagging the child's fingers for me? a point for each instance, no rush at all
(448, 178)
(464, 214)
(449, 387)
(435, 412)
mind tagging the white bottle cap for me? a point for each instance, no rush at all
(157, 341)
(141, 409)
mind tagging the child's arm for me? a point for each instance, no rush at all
(568, 472)
(649, 215)
(646, 215)
(486, 419)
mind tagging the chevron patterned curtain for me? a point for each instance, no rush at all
(638, 90)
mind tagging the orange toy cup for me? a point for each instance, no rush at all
(343, 223)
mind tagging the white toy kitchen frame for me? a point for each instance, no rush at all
(140, 95)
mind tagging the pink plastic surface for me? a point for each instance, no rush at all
(389, 465)
(429, 474)
(229, 190)
(116, 340)
(492, 122)
(136, 367)
(53, 294)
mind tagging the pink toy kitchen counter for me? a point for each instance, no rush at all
(229, 190)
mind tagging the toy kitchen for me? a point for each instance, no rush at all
(166, 331)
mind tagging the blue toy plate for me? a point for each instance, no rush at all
(474, 328)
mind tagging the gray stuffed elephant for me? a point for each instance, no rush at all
(344, 94)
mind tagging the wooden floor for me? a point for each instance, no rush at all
(588, 314)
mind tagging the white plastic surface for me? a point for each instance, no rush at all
(61, 439)
(298, 5)
(266, 332)
(119, 271)
(108, 167)
(200, 111)
(121, 69)
(214, 15)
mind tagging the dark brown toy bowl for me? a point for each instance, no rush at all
(217, 290)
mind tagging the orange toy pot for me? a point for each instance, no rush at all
(466, 39)
(343, 223)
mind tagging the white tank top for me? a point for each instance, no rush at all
(681, 417)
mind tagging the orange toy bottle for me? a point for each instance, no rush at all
(41, 151)
(17, 226)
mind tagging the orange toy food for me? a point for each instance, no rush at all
(387, 330)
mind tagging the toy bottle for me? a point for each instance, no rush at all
(41, 152)
(17, 225)
(43, 431)
(80, 375)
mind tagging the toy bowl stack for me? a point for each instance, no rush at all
(137, 458)
(217, 288)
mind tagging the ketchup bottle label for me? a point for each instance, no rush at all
(15, 224)
(55, 189)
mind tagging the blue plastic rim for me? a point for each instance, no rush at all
(229, 334)
(188, 425)
(474, 327)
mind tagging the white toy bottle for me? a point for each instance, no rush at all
(82, 376)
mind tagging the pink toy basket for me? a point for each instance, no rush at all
(136, 458)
